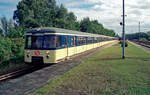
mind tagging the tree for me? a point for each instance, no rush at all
(61, 17)
(4, 25)
(84, 24)
(65, 19)
(148, 33)
(35, 13)
(1, 32)
(45, 13)
(11, 23)
(17, 32)
(71, 21)
(137, 36)
(62, 12)
(5, 49)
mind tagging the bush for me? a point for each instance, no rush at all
(5, 49)
(143, 39)
(126, 44)
(17, 32)
(11, 48)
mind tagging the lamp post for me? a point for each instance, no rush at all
(123, 30)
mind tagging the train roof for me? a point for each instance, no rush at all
(64, 31)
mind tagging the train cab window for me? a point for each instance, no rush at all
(28, 42)
(52, 42)
(37, 42)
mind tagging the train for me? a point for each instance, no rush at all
(49, 45)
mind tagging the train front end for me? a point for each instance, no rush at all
(37, 48)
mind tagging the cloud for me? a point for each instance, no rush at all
(96, 7)
(140, 4)
(108, 12)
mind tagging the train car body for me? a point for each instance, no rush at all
(52, 45)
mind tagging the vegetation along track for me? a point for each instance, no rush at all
(20, 72)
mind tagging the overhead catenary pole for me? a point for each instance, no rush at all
(139, 29)
(123, 30)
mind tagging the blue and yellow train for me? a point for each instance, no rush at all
(52, 45)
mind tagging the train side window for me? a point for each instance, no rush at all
(91, 40)
(66, 41)
(84, 41)
(88, 40)
(49, 42)
(95, 40)
(52, 42)
(72, 41)
(63, 41)
(76, 41)
(79, 41)
(99, 39)
(58, 42)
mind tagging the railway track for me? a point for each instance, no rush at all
(13, 74)
(19, 73)
(145, 44)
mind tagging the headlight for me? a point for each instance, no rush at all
(47, 52)
(28, 52)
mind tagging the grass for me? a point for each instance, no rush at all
(106, 74)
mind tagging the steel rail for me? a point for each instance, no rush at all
(15, 74)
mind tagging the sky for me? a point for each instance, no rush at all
(107, 12)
